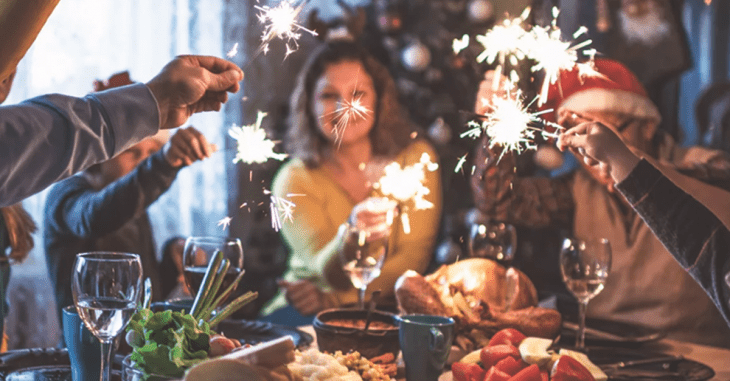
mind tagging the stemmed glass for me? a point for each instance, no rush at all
(106, 289)
(585, 266)
(364, 248)
(199, 251)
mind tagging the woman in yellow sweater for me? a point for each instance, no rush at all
(334, 169)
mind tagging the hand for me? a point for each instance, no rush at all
(487, 92)
(187, 146)
(375, 214)
(192, 84)
(304, 296)
(599, 147)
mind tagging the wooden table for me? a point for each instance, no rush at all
(716, 358)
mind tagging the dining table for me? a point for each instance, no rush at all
(716, 358)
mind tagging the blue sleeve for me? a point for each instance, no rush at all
(690, 232)
(48, 138)
(78, 209)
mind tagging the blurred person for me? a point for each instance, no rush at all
(51, 137)
(104, 207)
(16, 239)
(334, 171)
(645, 284)
(20, 23)
(690, 231)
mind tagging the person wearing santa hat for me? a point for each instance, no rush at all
(703, 250)
(646, 285)
(104, 207)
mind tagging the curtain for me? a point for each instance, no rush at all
(85, 40)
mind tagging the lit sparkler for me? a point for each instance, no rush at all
(503, 42)
(281, 22)
(405, 185)
(280, 209)
(253, 145)
(349, 110)
(509, 124)
(551, 53)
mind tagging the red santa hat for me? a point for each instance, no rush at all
(614, 89)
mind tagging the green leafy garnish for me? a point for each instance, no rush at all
(173, 342)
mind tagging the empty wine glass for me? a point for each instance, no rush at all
(493, 240)
(106, 288)
(365, 246)
(585, 266)
(199, 251)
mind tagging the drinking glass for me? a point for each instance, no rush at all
(199, 251)
(493, 240)
(585, 266)
(106, 289)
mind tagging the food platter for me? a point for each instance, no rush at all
(680, 369)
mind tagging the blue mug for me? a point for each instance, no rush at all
(84, 349)
(426, 343)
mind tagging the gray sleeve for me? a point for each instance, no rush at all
(48, 138)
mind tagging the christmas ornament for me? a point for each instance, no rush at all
(439, 131)
(643, 21)
(416, 57)
(480, 10)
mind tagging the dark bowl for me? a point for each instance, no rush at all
(374, 342)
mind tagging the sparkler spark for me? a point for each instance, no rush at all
(509, 124)
(225, 222)
(460, 44)
(502, 42)
(551, 53)
(253, 145)
(405, 185)
(460, 164)
(281, 22)
(281, 209)
(234, 50)
(349, 111)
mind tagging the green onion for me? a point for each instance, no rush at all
(208, 278)
(233, 307)
(215, 286)
(207, 312)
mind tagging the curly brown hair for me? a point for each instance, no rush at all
(20, 227)
(392, 129)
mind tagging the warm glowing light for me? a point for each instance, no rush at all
(253, 145)
(503, 41)
(349, 111)
(406, 186)
(281, 22)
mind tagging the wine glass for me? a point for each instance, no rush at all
(106, 288)
(493, 240)
(199, 251)
(585, 266)
(364, 247)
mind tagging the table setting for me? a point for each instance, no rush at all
(475, 319)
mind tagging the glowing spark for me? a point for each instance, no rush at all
(502, 42)
(460, 44)
(551, 53)
(281, 209)
(243, 205)
(350, 111)
(460, 164)
(225, 222)
(405, 185)
(509, 124)
(253, 145)
(234, 50)
(281, 22)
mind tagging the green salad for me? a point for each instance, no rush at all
(167, 343)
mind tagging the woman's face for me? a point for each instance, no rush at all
(344, 102)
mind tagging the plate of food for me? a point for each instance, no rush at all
(629, 364)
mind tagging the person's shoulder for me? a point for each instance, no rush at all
(59, 191)
(291, 174)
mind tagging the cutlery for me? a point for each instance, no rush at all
(371, 307)
(603, 335)
(630, 363)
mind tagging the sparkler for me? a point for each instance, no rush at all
(225, 222)
(551, 53)
(509, 124)
(349, 110)
(405, 185)
(460, 44)
(281, 22)
(281, 209)
(253, 145)
(234, 50)
(502, 42)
